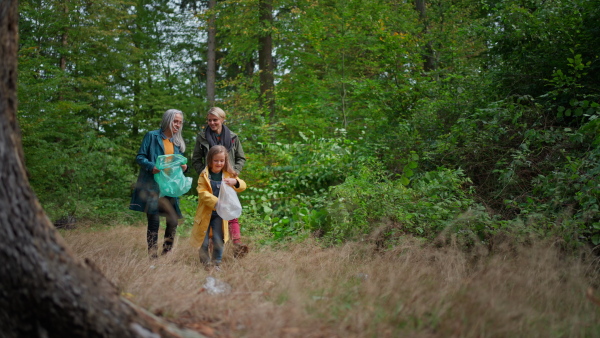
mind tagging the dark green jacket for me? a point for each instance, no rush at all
(237, 158)
(145, 194)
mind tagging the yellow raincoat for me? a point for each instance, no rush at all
(206, 204)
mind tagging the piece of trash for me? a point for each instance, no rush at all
(216, 286)
(127, 295)
(152, 267)
(319, 297)
(362, 276)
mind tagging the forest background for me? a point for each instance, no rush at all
(381, 117)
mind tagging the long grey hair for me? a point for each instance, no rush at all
(167, 123)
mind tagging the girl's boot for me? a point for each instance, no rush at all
(204, 257)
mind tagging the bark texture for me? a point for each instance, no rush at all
(211, 59)
(428, 54)
(44, 290)
(265, 57)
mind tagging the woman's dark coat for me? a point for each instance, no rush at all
(237, 158)
(145, 194)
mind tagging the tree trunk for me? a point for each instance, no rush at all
(63, 56)
(64, 38)
(211, 60)
(265, 57)
(44, 290)
(428, 57)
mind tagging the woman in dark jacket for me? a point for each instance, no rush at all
(164, 141)
(216, 133)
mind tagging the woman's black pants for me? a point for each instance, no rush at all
(165, 209)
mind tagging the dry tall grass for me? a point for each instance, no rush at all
(304, 290)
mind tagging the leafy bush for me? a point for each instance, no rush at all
(572, 194)
(426, 207)
(76, 179)
(187, 204)
(291, 200)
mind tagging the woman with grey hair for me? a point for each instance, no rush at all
(165, 141)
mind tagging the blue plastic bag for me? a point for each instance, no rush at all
(170, 179)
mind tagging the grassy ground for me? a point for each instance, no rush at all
(304, 290)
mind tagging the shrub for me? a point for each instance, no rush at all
(424, 208)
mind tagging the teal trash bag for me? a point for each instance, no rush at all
(170, 179)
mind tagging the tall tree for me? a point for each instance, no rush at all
(428, 53)
(265, 56)
(211, 44)
(44, 290)
(211, 59)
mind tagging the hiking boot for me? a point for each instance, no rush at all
(204, 257)
(153, 252)
(240, 250)
(167, 246)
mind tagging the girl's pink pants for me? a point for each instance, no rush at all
(234, 231)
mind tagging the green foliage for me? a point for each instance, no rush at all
(188, 205)
(572, 189)
(93, 77)
(340, 64)
(292, 193)
(530, 39)
(509, 105)
(363, 202)
(311, 165)
(409, 168)
(524, 161)
(576, 71)
(92, 169)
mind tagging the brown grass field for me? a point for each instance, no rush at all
(354, 290)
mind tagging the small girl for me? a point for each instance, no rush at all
(207, 223)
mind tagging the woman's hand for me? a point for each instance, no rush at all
(231, 181)
(184, 167)
(155, 170)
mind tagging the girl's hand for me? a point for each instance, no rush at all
(231, 181)
(155, 170)
(184, 167)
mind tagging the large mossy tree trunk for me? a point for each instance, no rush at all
(44, 290)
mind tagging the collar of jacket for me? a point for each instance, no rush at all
(164, 137)
(204, 174)
(203, 138)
